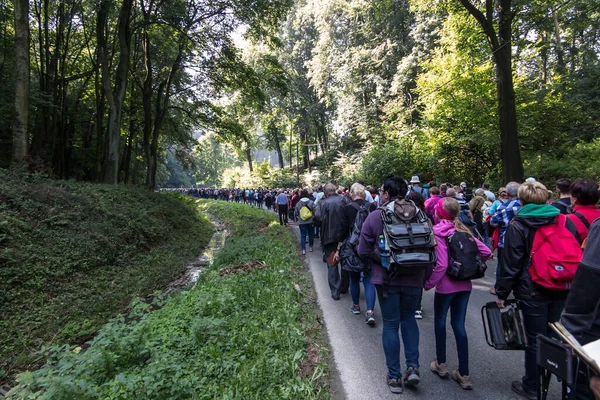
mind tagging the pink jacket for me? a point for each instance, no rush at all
(439, 279)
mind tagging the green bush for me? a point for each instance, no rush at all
(74, 255)
(245, 335)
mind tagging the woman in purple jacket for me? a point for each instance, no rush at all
(451, 295)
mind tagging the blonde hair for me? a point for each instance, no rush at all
(452, 207)
(358, 190)
(533, 193)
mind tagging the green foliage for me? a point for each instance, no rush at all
(242, 335)
(74, 255)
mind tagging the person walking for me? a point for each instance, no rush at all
(399, 302)
(349, 212)
(305, 224)
(451, 295)
(282, 207)
(328, 214)
(540, 305)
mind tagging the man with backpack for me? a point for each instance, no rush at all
(584, 197)
(563, 188)
(398, 285)
(538, 265)
(353, 217)
(328, 215)
(304, 214)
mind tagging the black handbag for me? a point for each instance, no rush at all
(504, 328)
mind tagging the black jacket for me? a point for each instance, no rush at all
(514, 276)
(329, 215)
(582, 312)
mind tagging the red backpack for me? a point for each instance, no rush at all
(555, 255)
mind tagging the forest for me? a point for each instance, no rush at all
(185, 92)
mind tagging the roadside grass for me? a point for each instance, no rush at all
(74, 255)
(249, 330)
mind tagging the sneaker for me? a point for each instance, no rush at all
(517, 387)
(440, 369)
(463, 381)
(303, 252)
(411, 377)
(310, 249)
(418, 314)
(369, 318)
(394, 384)
(355, 308)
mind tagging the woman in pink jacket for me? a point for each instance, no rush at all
(451, 295)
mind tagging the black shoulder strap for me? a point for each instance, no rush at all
(570, 225)
(582, 219)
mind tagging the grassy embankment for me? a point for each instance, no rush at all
(248, 330)
(74, 255)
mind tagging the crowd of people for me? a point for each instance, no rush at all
(513, 222)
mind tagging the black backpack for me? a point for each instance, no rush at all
(349, 258)
(464, 259)
(409, 237)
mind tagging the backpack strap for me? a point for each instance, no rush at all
(570, 225)
(582, 219)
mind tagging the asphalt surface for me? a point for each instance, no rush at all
(360, 363)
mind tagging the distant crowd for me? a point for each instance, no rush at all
(401, 237)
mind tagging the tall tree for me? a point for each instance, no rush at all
(117, 97)
(500, 42)
(20, 124)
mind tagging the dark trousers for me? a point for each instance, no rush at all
(536, 315)
(337, 283)
(283, 217)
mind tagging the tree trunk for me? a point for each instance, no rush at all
(559, 49)
(116, 98)
(20, 125)
(500, 44)
(248, 152)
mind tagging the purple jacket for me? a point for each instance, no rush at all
(439, 278)
(371, 229)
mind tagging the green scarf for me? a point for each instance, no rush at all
(538, 210)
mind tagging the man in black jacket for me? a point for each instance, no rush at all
(329, 216)
(539, 305)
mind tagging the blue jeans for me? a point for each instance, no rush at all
(369, 289)
(536, 315)
(398, 311)
(457, 304)
(306, 230)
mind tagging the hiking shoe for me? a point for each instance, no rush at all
(418, 314)
(369, 318)
(463, 381)
(355, 308)
(411, 377)
(517, 387)
(394, 384)
(440, 369)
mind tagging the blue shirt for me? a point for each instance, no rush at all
(282, 199)
(503, 215)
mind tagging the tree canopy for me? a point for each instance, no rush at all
(121, 90)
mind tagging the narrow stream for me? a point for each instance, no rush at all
(194, 269)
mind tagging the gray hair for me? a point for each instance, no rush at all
(329, 188)
(450, 192)
(512, 188)
(479, 192)
(358, 190)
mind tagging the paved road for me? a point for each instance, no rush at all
(360, 361)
